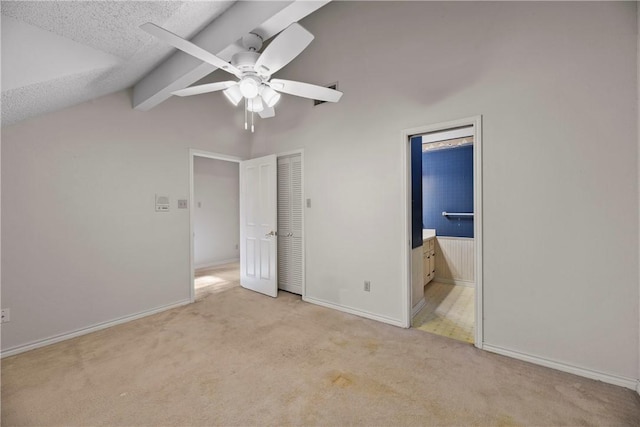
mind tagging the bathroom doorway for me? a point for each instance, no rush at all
(445, 286)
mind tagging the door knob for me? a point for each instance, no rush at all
(271, 233)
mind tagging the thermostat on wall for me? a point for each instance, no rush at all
(162, 203)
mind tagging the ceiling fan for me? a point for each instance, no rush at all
(254, 70)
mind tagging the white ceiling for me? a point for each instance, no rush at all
(60, 53)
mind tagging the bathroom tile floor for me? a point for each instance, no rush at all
(449, 311)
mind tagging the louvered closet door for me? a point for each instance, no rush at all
(290, 223)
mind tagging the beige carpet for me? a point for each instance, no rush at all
(449, 311)
(239, 358)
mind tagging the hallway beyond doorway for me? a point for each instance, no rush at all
(217, 279)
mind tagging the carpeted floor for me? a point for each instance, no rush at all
(449, 311)
(239, 358)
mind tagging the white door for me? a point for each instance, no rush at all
(258, 220)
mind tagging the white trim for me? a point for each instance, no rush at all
(193, 153)
(453, 238)
(406, 249)
(631, 383)
(212, 264)
(456, 282)
(83, 331)
(448, 135)
(355, 311)
(217, 156)
(300, 151)
(291, 152)
(477, 229)
(476, 121)
(419, 306)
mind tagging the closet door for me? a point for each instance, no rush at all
(290, 223)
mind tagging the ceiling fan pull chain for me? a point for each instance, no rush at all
(252, 128)
(245, 114)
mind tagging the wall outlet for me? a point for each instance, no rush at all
(182, 204)
(6, 315)
(367, 286)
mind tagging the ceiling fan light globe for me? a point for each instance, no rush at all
(255, 104)
(249, 87)
(233, 94)
(270, 96)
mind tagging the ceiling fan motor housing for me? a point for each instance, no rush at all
(252, 41)
(245, 61)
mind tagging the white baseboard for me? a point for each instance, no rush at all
(292, 289)
(419, 306)
(560, 366)
(63, 337)
(210, 264)
(456, 282)
(355, 311)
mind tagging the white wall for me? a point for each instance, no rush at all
(638, 134)
(555, 83)
(216, 220)
(82, 244)
(455, 260)
(81, 241)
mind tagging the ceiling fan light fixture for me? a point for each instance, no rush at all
(270, 96)
(255, 104)
(233, 94)
(249, 86)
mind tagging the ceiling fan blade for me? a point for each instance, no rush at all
(206, 88)
(306, 90)
(188, 47)
(286, 46)
(267, 112)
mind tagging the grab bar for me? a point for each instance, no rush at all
(456, 214)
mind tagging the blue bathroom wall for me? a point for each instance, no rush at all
(447, 185)
(416, 191)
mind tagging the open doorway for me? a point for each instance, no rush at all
(232, 241)
(445, 286)
(215, 223)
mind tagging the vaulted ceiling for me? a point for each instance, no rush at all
(56, 54)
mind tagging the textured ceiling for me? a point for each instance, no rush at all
(107, 26)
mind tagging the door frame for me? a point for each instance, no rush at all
(476, 122)
(193, 153)
(303, 237)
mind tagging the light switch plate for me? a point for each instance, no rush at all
(5, 315)
(162, 203)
